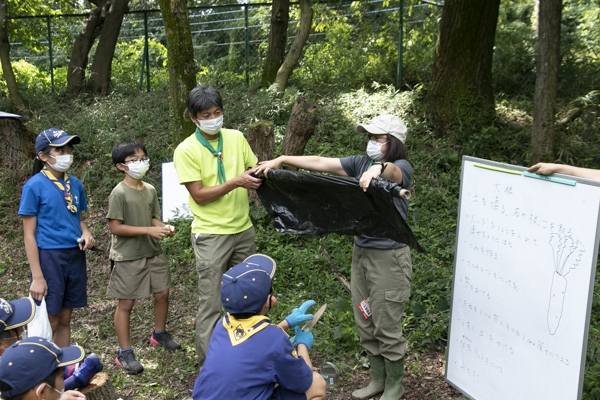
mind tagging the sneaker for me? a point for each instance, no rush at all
(69, 370)
(128, 362)
(164, 339)
(88, 369)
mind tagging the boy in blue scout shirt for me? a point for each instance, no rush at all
(250, 358)
(33, 369)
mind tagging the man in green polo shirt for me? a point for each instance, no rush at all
(212, 163)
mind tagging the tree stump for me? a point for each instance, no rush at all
(261, 137)
(100, 388)
(301, 126)
(16, 147)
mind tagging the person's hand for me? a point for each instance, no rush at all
(86, 241)
(542, 168)
(305, 338)
(38, 288)
(72, 395)
(369, 175)
(247, 181)
(171, 230)
(159, 232)
(266, 166)
(299, 314)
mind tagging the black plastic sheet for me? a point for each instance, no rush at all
(302, 203)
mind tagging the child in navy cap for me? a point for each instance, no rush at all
(250, 358)
(15, 315)
(33, 369)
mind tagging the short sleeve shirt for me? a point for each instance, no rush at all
(228, 214)
(57, 227)
(355, 166)
(251, 369)
(135, 208)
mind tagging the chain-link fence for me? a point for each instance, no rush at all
(231, 39)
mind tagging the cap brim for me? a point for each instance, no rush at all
(370, 129)
(71, 355)
(23, 312)
(263, 262)
(72, 139)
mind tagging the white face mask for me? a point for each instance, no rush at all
(210, 126)
(63, 163)
(374, 150)
(137, 169)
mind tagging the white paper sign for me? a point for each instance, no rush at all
(174, 196)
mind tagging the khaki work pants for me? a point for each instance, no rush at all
(215, 254)
(384, 277)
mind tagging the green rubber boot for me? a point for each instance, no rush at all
(394, 372)
(377, 384)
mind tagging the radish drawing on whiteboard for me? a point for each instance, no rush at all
(563, 247)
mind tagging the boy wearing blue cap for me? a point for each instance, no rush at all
(250, 358)
(33, 369)
(15, 315)
(55, 235)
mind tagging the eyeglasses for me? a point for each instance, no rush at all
(378, 138)
(18, 336)
(137, 160)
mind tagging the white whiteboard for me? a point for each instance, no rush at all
(174, 196)
(518, 330)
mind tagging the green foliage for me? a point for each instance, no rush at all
(127, 64)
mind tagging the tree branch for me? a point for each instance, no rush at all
(336, 272)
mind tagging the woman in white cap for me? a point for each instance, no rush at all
(381, 268)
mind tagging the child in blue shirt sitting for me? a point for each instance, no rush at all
(250, 358)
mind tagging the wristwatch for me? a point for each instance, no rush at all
(383, 166)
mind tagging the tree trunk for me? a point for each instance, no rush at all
(16, 146)
(261, 138)
(182, 68)
(100, 388)
(280, 16)
(285, 71)
(301, 127)
(9, 76)
(82, 46)
(102, 64)
(462, 73)
(546, 82)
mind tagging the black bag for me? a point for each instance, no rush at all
(302, 203)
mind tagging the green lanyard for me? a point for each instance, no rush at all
(217, 153)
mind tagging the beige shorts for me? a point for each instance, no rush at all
(140, 278)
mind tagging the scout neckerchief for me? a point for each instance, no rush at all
(66, 192)
(217, 153)
(241, 329)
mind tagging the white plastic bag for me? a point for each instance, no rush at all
(40, 325)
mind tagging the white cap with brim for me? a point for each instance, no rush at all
(385, 124)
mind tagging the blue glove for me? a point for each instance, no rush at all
(299, 314)
(303, 337)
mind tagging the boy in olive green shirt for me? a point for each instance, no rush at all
(140, 268)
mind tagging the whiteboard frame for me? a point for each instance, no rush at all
(591, 278)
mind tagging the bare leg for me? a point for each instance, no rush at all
(122, 318)
(161, 308)
(61, 327)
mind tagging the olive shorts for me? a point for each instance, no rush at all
(140, 278)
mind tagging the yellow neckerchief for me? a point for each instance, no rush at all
(65, 192)
(241, 329)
